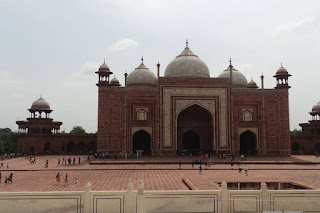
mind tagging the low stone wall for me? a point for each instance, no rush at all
(132, 201)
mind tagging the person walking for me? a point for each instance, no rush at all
(7, 165)
(66, 180)
(58, 162)
(58, 177)
(74, 160)
(2, 166)
(246, 170)
(231, 163)
(240, 169)
(47, 164)
(11, 177)
(200, 169)
(180, 164)
(224, 156)
(62, 160)
(79, 160)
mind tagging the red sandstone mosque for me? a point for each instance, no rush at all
(186, 111)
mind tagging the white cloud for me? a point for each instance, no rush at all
(291, 26)
(86, 76)
(123, 44)
(243, 67)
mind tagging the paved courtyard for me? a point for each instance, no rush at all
(304, 170)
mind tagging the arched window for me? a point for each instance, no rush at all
(247, 116)
(142, 115)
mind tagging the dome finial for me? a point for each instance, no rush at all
(281, 63)
(187, 43)
(41, 96)
(104, 61)
(141, 59)
(230, 66)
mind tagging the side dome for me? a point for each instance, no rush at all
(252, 84)
(316, 107)
(282, 71)
(40, 104)
(187, 64)
(104, 67)
(115, 82)
(142, 76)
(238, 78)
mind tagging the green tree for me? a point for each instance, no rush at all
(8, 141)
(78, 130)
(296, 132)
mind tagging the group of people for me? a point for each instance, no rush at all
(7, 179)
(2, 165)
(58, 178)
(32, 159)
(69, 160)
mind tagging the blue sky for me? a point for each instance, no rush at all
(53, 48)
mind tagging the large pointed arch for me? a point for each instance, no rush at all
(197, 120)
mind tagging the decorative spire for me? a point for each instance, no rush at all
(187, 42)
(104, 61)
(230, 66)
(281, 63)
(142, 60)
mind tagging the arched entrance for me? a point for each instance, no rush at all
(71, 147)
(195, 130)
(248, 143)
(295, 148)
(47, 147)
(92, 147)
(317, 148)
(82, 148)
(141, 140)
(191, 141)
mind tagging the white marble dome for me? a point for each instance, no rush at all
(238, 78)
(142, 76)
(187, 64)
(40, 104)
(316, 107)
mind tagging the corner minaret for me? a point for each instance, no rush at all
(282, 76)
(104, 74)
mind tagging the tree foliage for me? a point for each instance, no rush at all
(78, 130)
(296, 132)
(8, 141)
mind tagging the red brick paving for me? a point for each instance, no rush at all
(154, 176)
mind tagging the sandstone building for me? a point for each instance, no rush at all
(187, 111)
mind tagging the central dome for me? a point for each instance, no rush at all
(187, 64)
